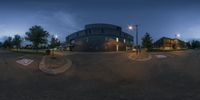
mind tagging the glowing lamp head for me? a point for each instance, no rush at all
(130, 27)
(56, 36)
(178, 35)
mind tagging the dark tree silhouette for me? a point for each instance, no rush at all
(195, 44)
(188, 44)
(1, 44)
(37, 35)
(147, 41)
(17, 40)
(55, 42)
(8, 43)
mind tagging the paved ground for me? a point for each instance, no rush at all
(104, 76)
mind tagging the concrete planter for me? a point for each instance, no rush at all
(54, 71)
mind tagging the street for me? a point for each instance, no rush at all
(104, 76)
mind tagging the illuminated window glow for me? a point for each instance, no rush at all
(117, 39)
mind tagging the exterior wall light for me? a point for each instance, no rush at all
(117, 39)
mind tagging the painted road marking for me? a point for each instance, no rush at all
(161, 56)
(25, 62)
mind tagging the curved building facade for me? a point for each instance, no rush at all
(100, 37)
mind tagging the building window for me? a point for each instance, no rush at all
(102, 30)
(117, 39)
(106, 38)
(86, 33)
(118, 28)
(117, 47)
(72, 41)
(89, 31)
(87, 39)
(124, 40)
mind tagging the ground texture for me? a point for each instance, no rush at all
(103, 76)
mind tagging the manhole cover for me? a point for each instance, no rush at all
(25, 62)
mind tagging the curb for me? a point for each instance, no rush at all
(56, 71)
(145, 59)
(82, 53)
(130, 57)
(139, 59)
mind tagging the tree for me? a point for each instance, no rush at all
(17, 41)
(1, 44)
(188, 44)
(195, 44)
(147, 41)
(54, 42)
(37, 35)
(8, 43)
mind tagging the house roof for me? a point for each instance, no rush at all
(168, 38)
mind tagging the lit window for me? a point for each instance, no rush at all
(102, 30)
(124, 40)
(117, 39)
(106, 38)
(90, 31)
(87, 39)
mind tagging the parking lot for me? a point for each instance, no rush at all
(104, 76)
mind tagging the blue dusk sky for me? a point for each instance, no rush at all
(62, 17)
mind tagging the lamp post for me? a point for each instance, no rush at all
(131, 27)
(136, 26)
(177, 36)
(56, 38)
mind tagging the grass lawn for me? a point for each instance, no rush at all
(29, 51)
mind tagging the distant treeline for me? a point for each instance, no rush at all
(36, 35)
(193, 44)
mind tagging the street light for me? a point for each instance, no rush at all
(56, 40)
(56, 36)
(178, 35)
(131, 27)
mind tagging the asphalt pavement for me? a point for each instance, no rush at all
(103, 76)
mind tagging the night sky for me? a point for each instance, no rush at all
(62, 17)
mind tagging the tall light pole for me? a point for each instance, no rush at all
(131, 27)
(177, 36)
(56, 39)
(136, 26)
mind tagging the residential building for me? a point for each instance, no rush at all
(166, 43)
